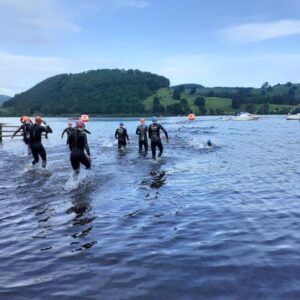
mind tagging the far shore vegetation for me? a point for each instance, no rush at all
(134, 93)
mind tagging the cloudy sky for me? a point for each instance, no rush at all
(215, 42)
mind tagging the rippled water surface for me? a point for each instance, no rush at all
(202, 223)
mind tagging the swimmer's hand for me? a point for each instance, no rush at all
(168, 141)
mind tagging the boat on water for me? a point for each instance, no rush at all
(294, 114)
(293, 117)
(244, 116)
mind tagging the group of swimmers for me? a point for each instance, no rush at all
(78, 143)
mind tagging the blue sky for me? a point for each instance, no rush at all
(214, 43)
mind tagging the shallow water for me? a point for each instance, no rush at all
(202, 223)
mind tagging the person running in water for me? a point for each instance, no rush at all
(141, 131)
(36, 145)
(68, 131)
(154, 135)
(122, 136)
(25, 128)
(77, 144)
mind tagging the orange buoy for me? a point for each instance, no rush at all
(85, 118)
(192, 117)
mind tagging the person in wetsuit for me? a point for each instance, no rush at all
(122, 136)
(154, 135)
(68, 131)
(77, 144)
(25, 128)
(36, 145)
(141, 131)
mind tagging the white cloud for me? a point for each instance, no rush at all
(134, 3)
(19, 72)
(230, 70)
(252, 32)
(34, 20)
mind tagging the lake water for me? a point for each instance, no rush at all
(202, 223)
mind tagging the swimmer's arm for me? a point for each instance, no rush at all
(116, 134)
(18, 130)
(137, 131)
(87, 131)
(126, 135)
(63, 133)
(165, 131)
(150, 132)
(47, 128)
(86, 146)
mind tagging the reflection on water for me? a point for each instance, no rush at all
(207, 221)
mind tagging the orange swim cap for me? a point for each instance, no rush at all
(38, 119)
(85, 118)
(26, 119)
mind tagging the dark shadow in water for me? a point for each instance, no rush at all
(157, 176)
(83, 219)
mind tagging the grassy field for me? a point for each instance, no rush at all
(224, 104)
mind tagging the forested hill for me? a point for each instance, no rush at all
(98, 92)
(3, 98)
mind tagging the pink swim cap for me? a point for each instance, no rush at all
(70, 124)
(80, 124)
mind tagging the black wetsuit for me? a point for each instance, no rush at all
(154, 135)
(77, 144)
(26, 132)
(141, 131)
(36, 146)
(122, 136)
(68, 131)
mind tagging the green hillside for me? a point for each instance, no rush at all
(133, 92)
(94, 92)
(213, 105)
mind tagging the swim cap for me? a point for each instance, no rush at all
(25, 119)
(121, 124)
(38, 119)
(84, 118)
(70, 124)
(154, 119)
(142, 120)
(80, 124)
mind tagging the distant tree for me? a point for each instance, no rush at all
(270, 89)
(156, 105)
(176, 94)
(263, 92)
(265, 85)
(193, 91)
(200, 102)
(236, 102)
(211, 94)
(251, 108)
(292, 90)
(288, 84)
(211, 111)
(265, 108)
(202, 110)
(181, 88)
(219, 111)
